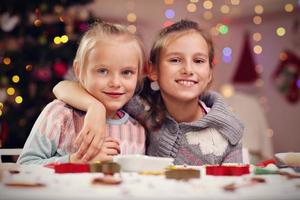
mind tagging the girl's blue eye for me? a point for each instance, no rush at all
(174, 60)
(127, 73)
(199, 61)
(102, 71)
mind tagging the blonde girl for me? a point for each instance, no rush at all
(108, 64)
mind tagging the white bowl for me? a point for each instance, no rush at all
(291, 159)
(139, 163)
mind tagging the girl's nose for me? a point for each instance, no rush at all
(187, 68)
(114, 81)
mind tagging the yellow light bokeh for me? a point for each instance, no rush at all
(10, 91)
(258, 9)
(191, 7)
(225, 9)
(227, 90)
(289, 7)
(131, 28)
(208, 4)
(257, 36)
(235, 2)
(194, 1)
(207, 15)
(18, 99)
(280, 31)
(257, 49)
(169, 2)
(57, 40)
(0, 112)
(64, 39)
(257, 20)
(1, 105)
(131, 17)
(6, 60)
(15, 79)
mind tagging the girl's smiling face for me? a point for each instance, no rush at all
(112, 73)
(184, 72)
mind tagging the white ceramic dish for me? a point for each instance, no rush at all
(291, 159)
(138, 163)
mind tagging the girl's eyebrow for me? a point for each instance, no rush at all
(179, 53)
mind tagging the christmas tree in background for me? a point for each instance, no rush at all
(38, 42)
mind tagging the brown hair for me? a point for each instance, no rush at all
(99, 31)
(155, 116)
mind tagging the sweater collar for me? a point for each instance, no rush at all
(219, 117)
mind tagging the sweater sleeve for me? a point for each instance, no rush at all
(235, 155)
(42, 145)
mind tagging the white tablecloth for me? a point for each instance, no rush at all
(135, 186)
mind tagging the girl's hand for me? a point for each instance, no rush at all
(93, 132)
(110, 148)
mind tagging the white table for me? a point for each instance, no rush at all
(135, 186)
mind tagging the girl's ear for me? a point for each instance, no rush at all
(152, 72)
(76, 69)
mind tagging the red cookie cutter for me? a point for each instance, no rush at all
(224, 170)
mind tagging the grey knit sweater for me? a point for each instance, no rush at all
(213, 139)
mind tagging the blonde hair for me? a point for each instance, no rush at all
(100, 31)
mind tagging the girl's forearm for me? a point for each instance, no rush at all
(73, 94)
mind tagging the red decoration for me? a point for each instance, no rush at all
(60, 69)
(223, 170)
(286, 76)
(245, 72)
(71, 168)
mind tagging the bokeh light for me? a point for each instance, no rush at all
(256, 36)
(235, 2)
(57, 40)
(10, 91)
(207, 15)
(223, 29)
(259, 83)
(170, 13)
(227, 51)
(258, 9)
(64, 39)
(6, 60)
(208, 4)
(28, 67)
(225, 9)
(280, 31)
(169, 2)
(227, 59)
(288, 7)
(283, 56)
(227, 90)
(131, 28)
(257, 20)
(298, 83)
(191, 7)
(18, 99)
(131, 17)
(257, 49)
(15, 79)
